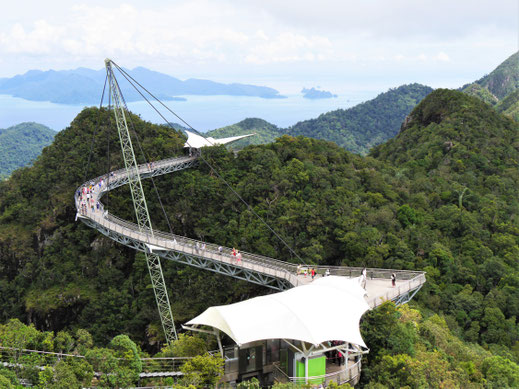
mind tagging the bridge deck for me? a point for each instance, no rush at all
(254, 268)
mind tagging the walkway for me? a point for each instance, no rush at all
(254, 268)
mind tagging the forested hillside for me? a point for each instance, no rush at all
(359, 128)
(501, 82)
(440, 197)
(21, 144)
(500, 88)
(265, 132)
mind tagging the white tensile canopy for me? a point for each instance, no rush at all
(196, 141)
(327, 309)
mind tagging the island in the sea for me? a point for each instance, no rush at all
(82, 86)
(314, 93)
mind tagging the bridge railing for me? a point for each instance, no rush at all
(156, 365)
(117, 175)
(195, 247)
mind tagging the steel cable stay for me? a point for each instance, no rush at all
(146, 161)
(134, 83)
(95, 131)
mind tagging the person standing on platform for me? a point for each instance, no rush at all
(364, 277)
(393, 280)
(312, 272)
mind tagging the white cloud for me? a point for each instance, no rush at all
(200, 37)
(441, 56)
(288, 47)
(41, 38)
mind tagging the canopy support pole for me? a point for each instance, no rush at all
(295, 347)
(306, 369)
(217, 333)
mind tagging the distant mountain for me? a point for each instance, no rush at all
(500, 83)
(368, 124)
(265, 132)
(450, 132)
(500, 88)
(21, 144)
(84, 86)
(313, 94)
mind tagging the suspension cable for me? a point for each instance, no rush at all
(95, 132)
(146, 159)
(108, 144)
(129, 78)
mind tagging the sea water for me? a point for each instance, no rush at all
(203, 113)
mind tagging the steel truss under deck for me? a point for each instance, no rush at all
(194, 260)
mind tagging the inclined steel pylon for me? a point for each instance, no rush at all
(141, 208)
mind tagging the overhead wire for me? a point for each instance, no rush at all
(92, 143)
(132, 80)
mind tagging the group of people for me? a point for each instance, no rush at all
(305, 271)
(200, 247)
(236, 255)
(85, 196)
(335, 356)
(310, 271)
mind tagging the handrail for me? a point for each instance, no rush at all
(325, 378)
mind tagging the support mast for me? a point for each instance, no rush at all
(141, 208)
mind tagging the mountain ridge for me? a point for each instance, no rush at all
(83, 85)
(357, 129)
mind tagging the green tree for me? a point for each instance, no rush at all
(203, 371)
(185, 346)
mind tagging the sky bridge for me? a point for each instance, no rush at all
(258, 269)
(292, 342)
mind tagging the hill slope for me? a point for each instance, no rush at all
(501, 82)
(500, 88)
(368, 124)
(450, 128)
(21, 144)
(265, 132)
(456, 159)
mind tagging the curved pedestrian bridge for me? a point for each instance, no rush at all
(254, 268)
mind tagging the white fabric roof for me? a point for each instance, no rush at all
(327, 309)
(196, 141)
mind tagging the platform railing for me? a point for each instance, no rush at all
(347, 375)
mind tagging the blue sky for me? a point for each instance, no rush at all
(340, 45)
